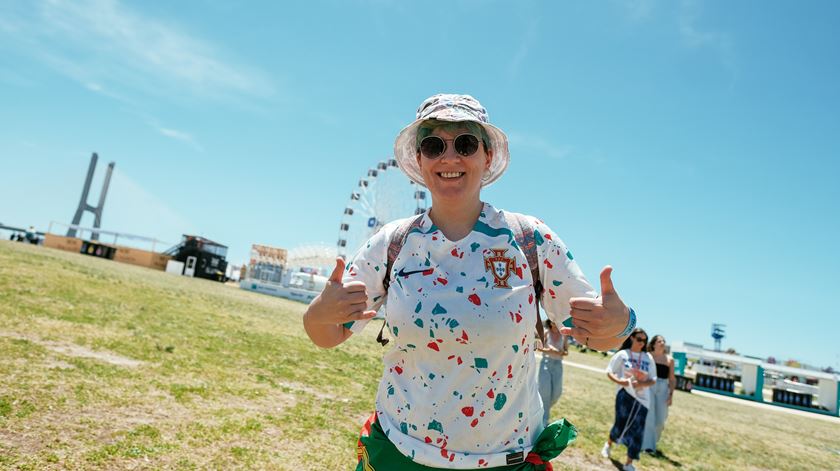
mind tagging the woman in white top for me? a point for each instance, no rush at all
(458, 388)
(632, 369)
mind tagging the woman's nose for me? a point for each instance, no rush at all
(450, 153)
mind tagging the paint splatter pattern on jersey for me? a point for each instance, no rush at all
(458, 388)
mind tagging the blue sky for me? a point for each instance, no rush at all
(692, 145)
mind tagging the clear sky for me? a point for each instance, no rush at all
(692, 145)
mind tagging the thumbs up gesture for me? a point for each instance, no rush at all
(339, 302)
(598, 321)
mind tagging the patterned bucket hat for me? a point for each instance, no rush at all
(447, 107)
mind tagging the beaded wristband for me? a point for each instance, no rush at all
(631, 324)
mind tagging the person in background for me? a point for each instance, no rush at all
(632, 369)
(661, 394)
(550, 379)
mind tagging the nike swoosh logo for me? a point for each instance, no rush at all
(402, 272)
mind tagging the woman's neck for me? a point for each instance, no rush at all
(456, 221)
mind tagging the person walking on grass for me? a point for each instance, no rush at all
(661, 394)
(458, 387)
(631, 368)
(554, 348)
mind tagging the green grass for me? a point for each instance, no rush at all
(227, 379)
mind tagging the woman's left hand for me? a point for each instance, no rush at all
(598, 321)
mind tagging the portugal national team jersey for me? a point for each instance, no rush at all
(459, 388)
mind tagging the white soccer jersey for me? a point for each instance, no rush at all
(459, 388)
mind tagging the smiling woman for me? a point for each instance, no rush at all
(459, 390)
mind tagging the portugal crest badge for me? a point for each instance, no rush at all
(500, 266)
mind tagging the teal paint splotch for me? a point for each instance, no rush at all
(438, 309)
(418, 230)
(501, 399)
(418, 306)
(419, 323)
(538, 238)
(483, 228)
(480, 362)
(569, 255)
(404, 428)
(396, 331)
(452, 323)
(556, 283)
(435, 425)
(474, 246)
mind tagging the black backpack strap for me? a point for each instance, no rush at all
(523, 233)
(394, 246)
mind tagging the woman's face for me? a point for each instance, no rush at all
(452, 176)
(639, 342)
(659, 345)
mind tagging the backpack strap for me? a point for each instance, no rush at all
(396, 243)
(394, 246)
(523, 233)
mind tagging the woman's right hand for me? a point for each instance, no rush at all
(339, 302)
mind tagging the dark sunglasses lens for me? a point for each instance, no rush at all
(466, 144)
(432, 147)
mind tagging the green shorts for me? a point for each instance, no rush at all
(376, 453)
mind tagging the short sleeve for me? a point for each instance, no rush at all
(615, 365)
(368, 265)
(561, 277)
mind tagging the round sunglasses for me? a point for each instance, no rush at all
(465, 145)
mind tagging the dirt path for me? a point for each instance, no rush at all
(73, 350)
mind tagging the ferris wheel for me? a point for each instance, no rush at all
(383, 195)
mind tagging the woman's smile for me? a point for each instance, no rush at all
(450, 175)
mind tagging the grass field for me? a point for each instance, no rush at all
(110, 366)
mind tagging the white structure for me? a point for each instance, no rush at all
(175, 267)
(301, 287)
(752, 373)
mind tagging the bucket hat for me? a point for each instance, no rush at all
(450, 107)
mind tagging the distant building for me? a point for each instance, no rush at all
(202, 258)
